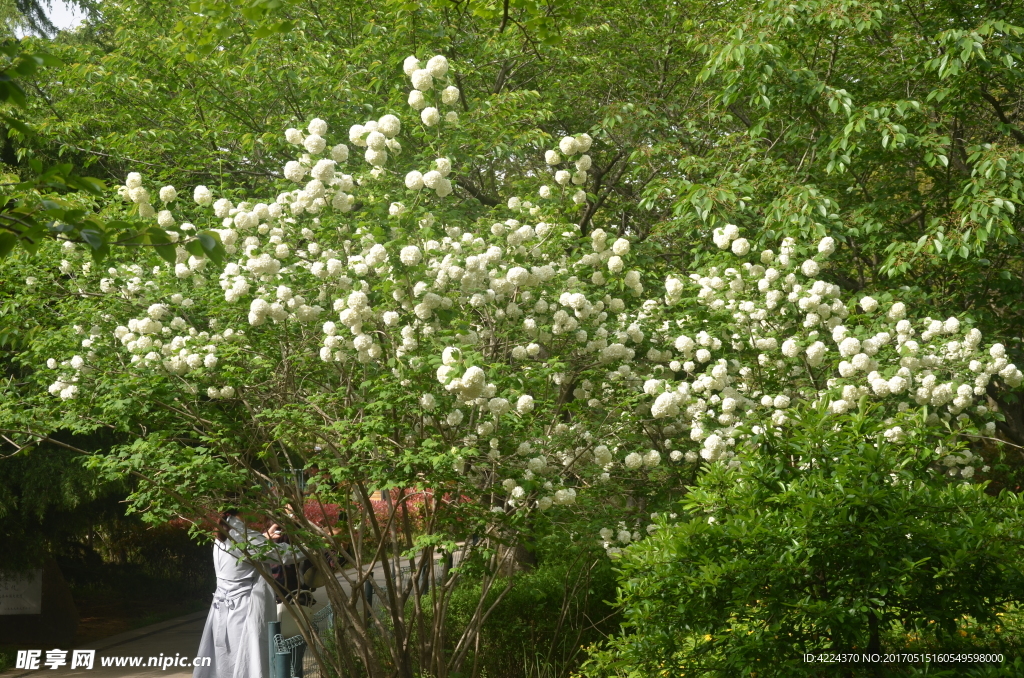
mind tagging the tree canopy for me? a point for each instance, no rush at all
(723, 289)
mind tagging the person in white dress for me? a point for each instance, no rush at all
(235, 636)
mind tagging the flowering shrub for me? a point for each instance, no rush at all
(366, 325)
(322, 515)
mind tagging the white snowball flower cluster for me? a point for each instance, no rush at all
(423, 83)
(569, 148)
(720, 400)
(516, 349)
(435, 179)
(723, 237)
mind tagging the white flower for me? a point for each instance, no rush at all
(839, 406)
(898, 311)
(895, 435)
(139, 195)
(430, 116)
(432, 179)
(416, 100)
(451, 117)
(168, 193)
(810, 268)
(951, 326)
(579, 197)
(396, 209)
(339, 153)
(376, 141)
(317, 126)
(826, 246)
(294, 171)
(740, 246)
(583, 163)
(583, 142)
(634, 461)
(849, 346)
(375, 157)
(816, 353)
(652, 459)
(134, 180)
(568, 146)
(410, 65)
(552, 157)
(165, 219)
(713, 446)
(356, 133)
(518, 276)
(665, 405)
(684, 344)
(562, 177)
(444, 188)
(545, 191)
(293, 136)
(422, 80)
(615, 264)
(450, 95)
(525, 404)
(438, 66)
(414, 180)
(410, 255)
(323, 172)
(869, 304)
(621, 247)
(389, 125)
(314, 143)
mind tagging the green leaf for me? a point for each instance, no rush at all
(8, 241)
(93, 238)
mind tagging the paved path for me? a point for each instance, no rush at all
(175, 637)
(170, 638)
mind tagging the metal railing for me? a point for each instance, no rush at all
(288, 655)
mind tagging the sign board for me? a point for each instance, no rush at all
(21, 594)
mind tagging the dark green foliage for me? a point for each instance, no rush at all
(553, 611)
(48, 501)
(830, 540)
